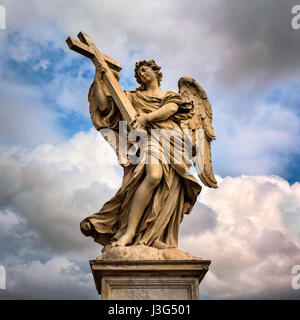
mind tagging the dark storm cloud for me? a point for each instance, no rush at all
(259, 45)
(204, 219)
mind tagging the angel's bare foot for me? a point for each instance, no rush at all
(161, 245)
(123, 241)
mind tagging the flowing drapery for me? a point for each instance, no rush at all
(171, 199)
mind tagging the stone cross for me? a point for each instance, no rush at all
(87, 48)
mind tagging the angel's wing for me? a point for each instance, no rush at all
(201, 119)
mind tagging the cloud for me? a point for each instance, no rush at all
(261, 139)
(249, 227)
(21, 51)
(44, 193)
(43, 64)
(69, 92)
(56, 279)
(8, 220)
(52, 188)
(204, 219)
(24, 119)
(261, 45)
(234, 44)
(256, 240)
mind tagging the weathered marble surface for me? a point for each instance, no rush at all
(149, 280)
(142, 252)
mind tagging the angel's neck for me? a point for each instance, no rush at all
(155, 92)
(152, 86)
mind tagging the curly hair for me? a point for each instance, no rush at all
(149, 63)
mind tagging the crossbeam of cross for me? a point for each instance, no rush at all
(87, 48)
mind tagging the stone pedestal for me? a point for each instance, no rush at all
(149, 279)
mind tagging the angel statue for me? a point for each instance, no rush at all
(154, 196)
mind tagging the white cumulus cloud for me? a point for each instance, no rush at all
(256, 239)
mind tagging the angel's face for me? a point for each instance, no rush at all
(146, 74)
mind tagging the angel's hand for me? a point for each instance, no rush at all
(100, 70)
(140, 122)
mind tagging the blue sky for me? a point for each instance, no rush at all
(245, 55)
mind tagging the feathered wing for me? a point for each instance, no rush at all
(201, 119)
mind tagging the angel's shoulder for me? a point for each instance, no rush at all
(171, 95)
(171, 92)
(130, 92)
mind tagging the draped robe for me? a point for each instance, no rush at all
(170, 200)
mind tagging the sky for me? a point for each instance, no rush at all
(55, 169)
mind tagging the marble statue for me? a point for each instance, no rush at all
(158, 189)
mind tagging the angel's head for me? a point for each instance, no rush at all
(146, 69)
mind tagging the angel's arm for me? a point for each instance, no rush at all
(100, 97)
(162, 113)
